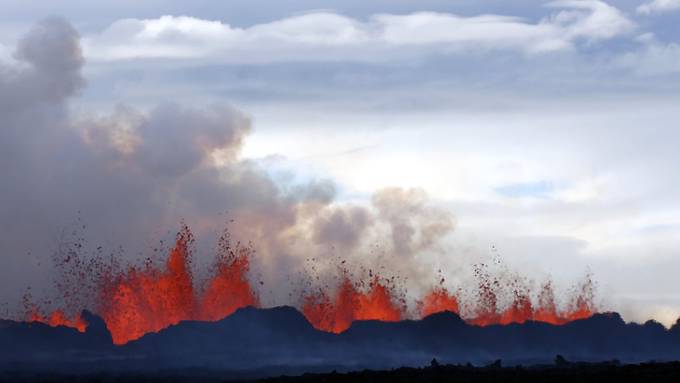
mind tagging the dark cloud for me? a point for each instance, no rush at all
(53, 52)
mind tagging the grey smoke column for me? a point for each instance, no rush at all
(131, 176)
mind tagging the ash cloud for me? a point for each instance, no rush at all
(414, 224)
(131, 176)
(342, 227)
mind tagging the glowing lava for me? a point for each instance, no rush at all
(350, 304)
(519, 311)
(228, 289)
(438, 300)
(58, 318)
(141, 300)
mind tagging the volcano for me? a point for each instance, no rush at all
(157, 317)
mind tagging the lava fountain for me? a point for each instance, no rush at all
(141, 300)
(336, 314)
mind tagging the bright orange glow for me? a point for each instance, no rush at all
(142, 301)
(138, 301)
(521, 310)
(349, 305)
(58, 318)
(228, 290)
(438, 300)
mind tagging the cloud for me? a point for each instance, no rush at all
(652, 58)
(658, 6)
(539, 189)
(599, 22)
(325, 36)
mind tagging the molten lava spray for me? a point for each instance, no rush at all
(520, 310)
(58, 318)
(141, 300)
(438, 300)
(349, 304)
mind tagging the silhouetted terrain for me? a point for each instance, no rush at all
(559, 372)
(596, 373)
(254, 343)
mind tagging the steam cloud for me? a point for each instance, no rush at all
(132, 176)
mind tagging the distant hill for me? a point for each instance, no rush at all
(280, 340)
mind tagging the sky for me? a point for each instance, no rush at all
(542, 131)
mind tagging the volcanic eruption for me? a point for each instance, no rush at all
(381, 285)
(136, 301)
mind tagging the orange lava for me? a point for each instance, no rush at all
(143, 301)
(519, 311)
(438, 300)
(58, 318)
(350, 304)
(229, 289)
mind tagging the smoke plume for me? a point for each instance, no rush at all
(126, 179)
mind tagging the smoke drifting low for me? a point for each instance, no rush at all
(132, 176)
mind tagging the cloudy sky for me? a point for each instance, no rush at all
(547, 131)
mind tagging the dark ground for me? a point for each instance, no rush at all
(257, 343)
(561, 371)
(279, 345)
(662, 372)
